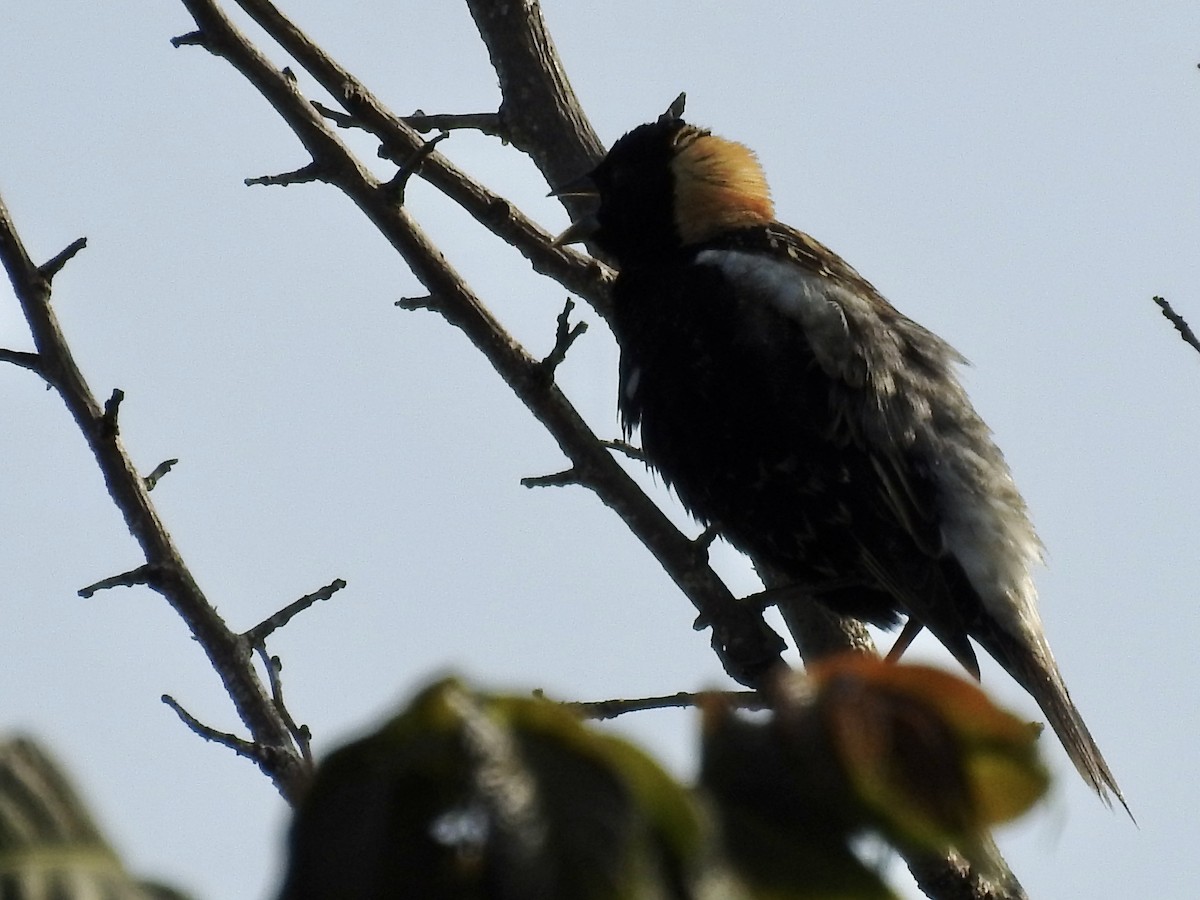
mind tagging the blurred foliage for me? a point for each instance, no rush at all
(470, 795)
(858, 745)
(50, 848)
(935, 761)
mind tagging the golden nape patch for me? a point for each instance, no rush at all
(719, 186)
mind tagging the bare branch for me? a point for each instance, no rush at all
(704, 540)
(582, 275)
(485, 123)
(951, 877)
(30, 361)
(564, 336)
(260, 632)
(412, 165)
(336, 116)
(141, 575)
(558, 479)
(610, 709)
(303, 175)
(1181, 325)
(626, 449)
(300, 733)
(538, 109)
(107, 426)
(239, 746)
(54, 265)
(428, 302)
(191, 39)
(278, 755)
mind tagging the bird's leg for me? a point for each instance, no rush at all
(772, 596)
(910, 630)
(760, 601)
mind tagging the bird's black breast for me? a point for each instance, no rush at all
(741, 420)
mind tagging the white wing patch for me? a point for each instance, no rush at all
(820, 305)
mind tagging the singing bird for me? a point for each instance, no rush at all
(824, 433)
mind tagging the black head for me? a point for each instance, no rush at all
(667, 185)
(636, 215)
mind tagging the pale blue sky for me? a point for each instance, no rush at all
(1021, 180)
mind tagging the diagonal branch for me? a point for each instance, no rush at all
(539, 109)
(230, 657)
(575, 271)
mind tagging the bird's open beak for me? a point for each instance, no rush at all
(583, 186)
(579, 231)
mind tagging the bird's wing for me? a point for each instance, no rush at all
(887, 379)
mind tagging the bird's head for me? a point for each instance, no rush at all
(667, 185)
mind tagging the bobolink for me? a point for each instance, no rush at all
(825, 434)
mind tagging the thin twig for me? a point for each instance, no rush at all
(300, 733)
(53, 266)
(191, 39)
(260, 632)
(336, 116)
(108, 426)
(1181, 325)
(564, 336)
(626, 449)
(238, 745)
(30, 361)
(428, 302)
(485, 123)
(610, 709)
(412, 165)
(141, 575)
(303, 175)
(557, 479)
(159, 471)
(577, 272)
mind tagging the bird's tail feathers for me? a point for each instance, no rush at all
(1032, 665)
